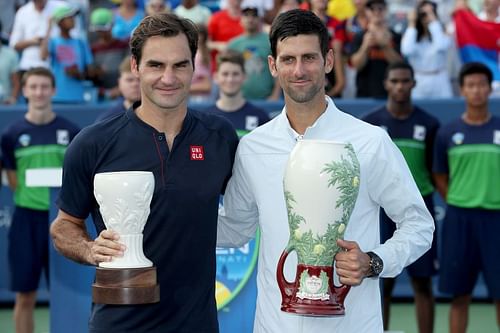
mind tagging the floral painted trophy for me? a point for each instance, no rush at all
(321, 186)
(124, 198)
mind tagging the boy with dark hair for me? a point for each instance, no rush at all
(466, 171)
(37, 141)
(231, 104)
(413, 130)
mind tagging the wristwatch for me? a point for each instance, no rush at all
(376, 264)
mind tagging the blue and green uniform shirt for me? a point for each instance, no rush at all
(244, 120)
(29, 146)
(470, 155)
(415, 137)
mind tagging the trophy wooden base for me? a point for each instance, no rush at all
(125, 286)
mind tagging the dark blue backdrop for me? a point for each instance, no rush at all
(71, 282)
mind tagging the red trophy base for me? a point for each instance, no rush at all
(125, 286)
(314, 308)
(313, 292)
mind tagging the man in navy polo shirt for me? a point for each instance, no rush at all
(159, 135)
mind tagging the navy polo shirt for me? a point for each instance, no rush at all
(180, 234)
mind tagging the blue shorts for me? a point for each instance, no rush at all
(28, 248)
(470, 244)
(426, 265)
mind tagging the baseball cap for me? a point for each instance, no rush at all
(101, 19)
(63, 12)
(250, 10)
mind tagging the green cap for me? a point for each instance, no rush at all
(64, 11)
(101, 19)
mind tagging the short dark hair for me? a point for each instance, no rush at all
(165, 25)
(370, 3)
(233, 57)
(38, 71)
(474, 68)
(298, 22)
(399, 65)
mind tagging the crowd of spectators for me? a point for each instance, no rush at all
(84, 42)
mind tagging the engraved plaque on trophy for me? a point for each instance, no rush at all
(321, 186)
(124, 198)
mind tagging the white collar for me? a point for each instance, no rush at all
(330, 112)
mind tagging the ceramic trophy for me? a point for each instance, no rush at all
(321, 186)
(124, 198)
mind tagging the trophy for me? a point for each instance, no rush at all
(124, 199)
(321, 186)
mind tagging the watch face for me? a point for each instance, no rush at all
(376, 264)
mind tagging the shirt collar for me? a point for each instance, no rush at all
(131, 114)
(324, 120)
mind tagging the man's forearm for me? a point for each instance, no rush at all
(71, 240)
(358, 59)
(20, 46)
(391, 55)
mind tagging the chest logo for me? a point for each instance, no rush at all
(251, 122)
(496, 137)
(62, 137)
(24, 140)
(419, 132)
(458, 138)
(197, 153)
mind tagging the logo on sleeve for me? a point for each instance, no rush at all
(24, 140)
(419, 132)
(496, 137)
(458, 138)
(251, 122)
(197, 153)
(62, 137)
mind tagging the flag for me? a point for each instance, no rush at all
(478, 40)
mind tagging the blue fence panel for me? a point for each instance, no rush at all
(83, 115)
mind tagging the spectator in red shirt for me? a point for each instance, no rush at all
(222, 26)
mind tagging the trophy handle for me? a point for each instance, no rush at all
(286, 288)
(340, 291)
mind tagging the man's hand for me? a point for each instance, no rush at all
(106, 247)
(352, 264)
(368, 40)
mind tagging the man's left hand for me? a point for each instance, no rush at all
(352, 264)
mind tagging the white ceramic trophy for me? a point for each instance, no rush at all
(124, 203)
(321, 184)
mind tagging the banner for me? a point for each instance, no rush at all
(478, 40)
